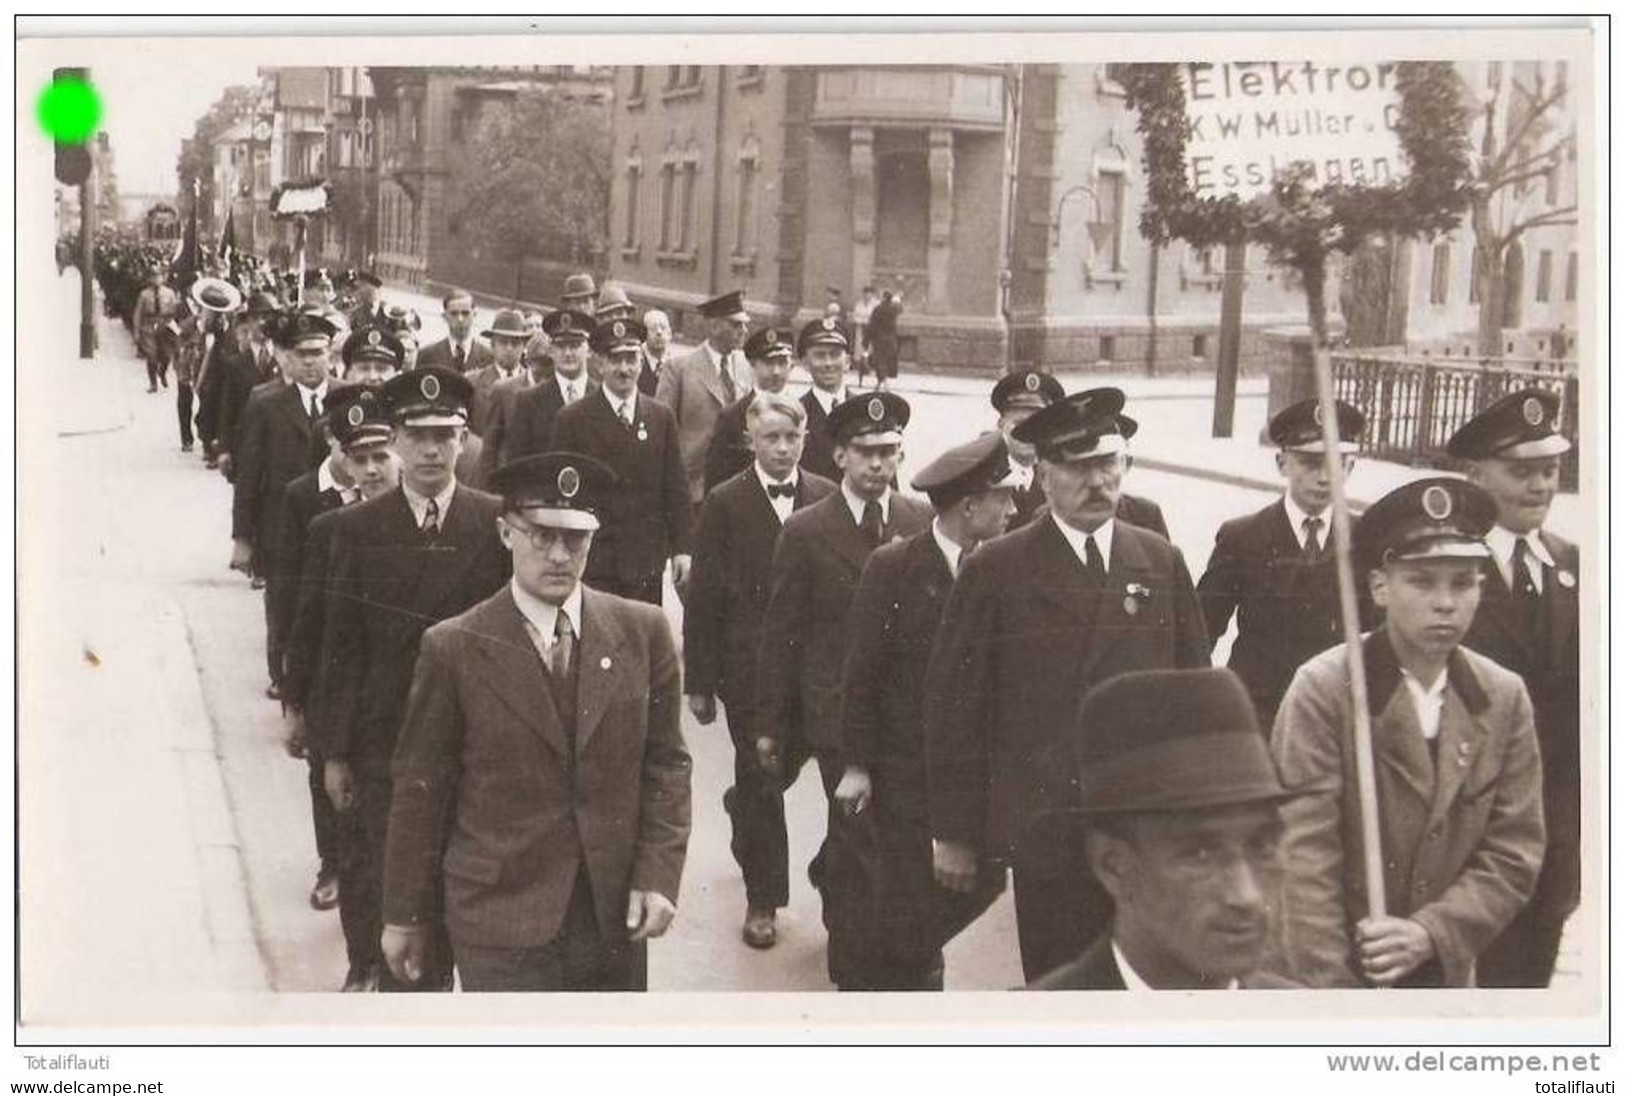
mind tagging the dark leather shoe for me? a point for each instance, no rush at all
(361, 980)
(759, 930)
(325, 894)
(273, 691)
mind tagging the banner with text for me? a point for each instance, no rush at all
(1251, 120)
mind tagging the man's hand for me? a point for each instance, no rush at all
(768, 755)
(648, 914)
(852, 794)
(704, 707)
(680, 565)
(340, 781)
(1391, 947)
(241, 553)
(403, 948)
(294, 738)
(954, 865)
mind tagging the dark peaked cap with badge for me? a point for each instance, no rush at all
(1026, 388)
(567, 324)
(374, 344)
(727, 306)
(877, 418)
(1519, 426)
(1082, 425)
(1299, 427)
(294, 328)
(612, 335)
(430, 396)
(1171, 740)
(769, 342)
(1439, 517)
(358, 417)
(827, 331)
(560, 490)
(966, 470)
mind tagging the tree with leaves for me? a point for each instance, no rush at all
(1525, 140)
(536, 180)
(196, 161)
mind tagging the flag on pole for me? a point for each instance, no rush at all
(188, 263)
(228, 240)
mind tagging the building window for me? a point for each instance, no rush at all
(745, 203)
(674, 76)
(634, 190)
(1571, 279)
(636, 93)
(1199, 347)
(1439, 286)
(690, 179)
(1472, 279)
(1543, 278)
(691, 76)
(750, 76)
(1108, 348)
(668, 203)
(1106, 233)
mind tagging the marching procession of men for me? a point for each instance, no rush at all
(464, 553)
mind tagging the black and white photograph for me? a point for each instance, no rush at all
(1017, 528)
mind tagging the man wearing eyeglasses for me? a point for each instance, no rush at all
(541, 805)
(1273, 570)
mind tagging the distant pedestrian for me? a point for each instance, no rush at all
(883, 337)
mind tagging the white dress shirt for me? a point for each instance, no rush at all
(1503, 542)
(828, 400)
(1427, 700)
(1295, 517)
(626, 410)
(319, 394)
(947, 545)
(1077, 538)
(1132, 980)
(856, 505)
(571, 389)
(326, 482)
(420, 503)
(781, 506)
(542, 618)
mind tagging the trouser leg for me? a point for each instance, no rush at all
(323, 816)
(755, 806)
(1524, 956)
(579, 960)
(183, 410)
(375, 788)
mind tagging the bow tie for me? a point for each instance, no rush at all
(784, 490)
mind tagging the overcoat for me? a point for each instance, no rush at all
(1462, 836)
(529, 428)
(496, 805)
(273, 448)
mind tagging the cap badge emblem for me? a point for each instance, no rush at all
(1437, 503)
(877, 409)
(569, 481)
(829, 324)
(1320, 415)
(770, 336)
(1031, 382)
(356, 416)
(619, 330)
(1533, 413)
(565, 322)
(374, 338)
(430, 387)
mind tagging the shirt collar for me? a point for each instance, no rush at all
(1295, 516)
(320, 390)
(580, 383)
(1077, 537)
(1132, 980)
(1503, 541)
(544, 617)
(1431, 692)
(947, 545)
(616, 405)
(420, 503)
(828, 400)
(764, 479)
(326, 482)
(856, 505)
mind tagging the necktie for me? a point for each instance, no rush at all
(959, 564)
(729, 393)
(785, 490)
(1311, 539)
(569, 391)
(431, 519)
(873, 523)
(458, 358)
(563, 647)
(1523, 582)
(626, 414)
(315, 407)
(1092, 561)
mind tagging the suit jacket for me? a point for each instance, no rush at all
(241, 375)
(816, 566)
(1548, 660)
(649, 518)
(274, 447)
(1462, 837)
(818, 455)
(692, 388)
(649, 375)
(1287, 610)
(729, 585)
(1023, 638)
(530, 426)
(484, 379)
(386, 586)
(303, 664)
(439, 353)
(728, 453)
(302, 501)
(498, 415)
(1097, 968)
(494, 796)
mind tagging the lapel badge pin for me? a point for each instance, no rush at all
(643, 432)
(604, 663)
(1565, 579)
(1133, 594)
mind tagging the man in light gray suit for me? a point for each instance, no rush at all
(698, 386)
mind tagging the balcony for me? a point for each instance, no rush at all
(960, 97)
